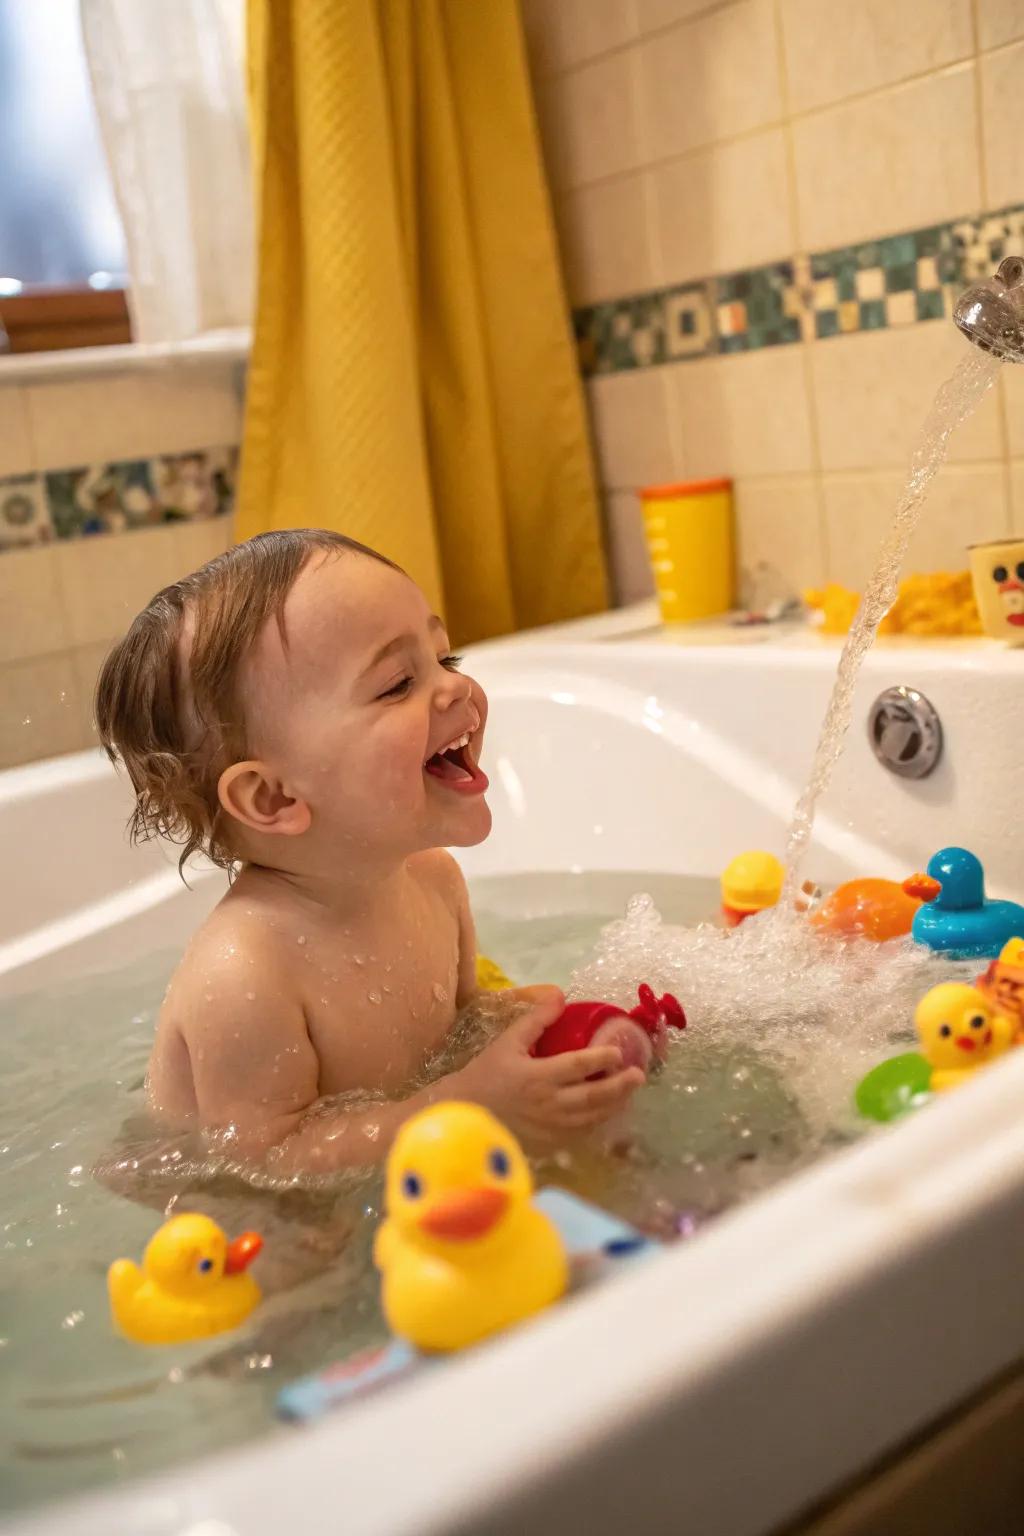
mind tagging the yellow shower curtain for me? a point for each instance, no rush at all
(413, 380)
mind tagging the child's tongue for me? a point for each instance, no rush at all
(449, 765)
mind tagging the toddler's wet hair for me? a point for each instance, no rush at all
(167, 699)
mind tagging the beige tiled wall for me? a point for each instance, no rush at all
(686, 138)
(62, 605)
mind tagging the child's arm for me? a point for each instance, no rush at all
(258, 1082)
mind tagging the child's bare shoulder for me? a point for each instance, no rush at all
(242, 951)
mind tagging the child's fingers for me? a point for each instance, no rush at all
(576, 1066)
(546, 1005)
(603, 1095)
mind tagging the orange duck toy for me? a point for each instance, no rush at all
(874, 909)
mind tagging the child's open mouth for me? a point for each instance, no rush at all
(455, 769)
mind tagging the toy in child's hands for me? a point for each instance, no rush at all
(641, 1034)
(193, 1283)
(463, 1252)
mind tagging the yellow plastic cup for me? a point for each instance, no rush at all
(689, 530)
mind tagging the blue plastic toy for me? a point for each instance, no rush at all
(960, 921)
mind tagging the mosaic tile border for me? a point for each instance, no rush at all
(116, 496)
(878, 284)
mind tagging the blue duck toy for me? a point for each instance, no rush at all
(960, 921)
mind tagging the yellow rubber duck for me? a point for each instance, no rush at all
(192, 1283)
(959, 1031)
(463, 1252)
(751, 883)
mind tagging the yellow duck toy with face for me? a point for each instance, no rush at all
(193, 1283)
(463, 1252)
(959, 1031)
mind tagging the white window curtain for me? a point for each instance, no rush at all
(168, 81)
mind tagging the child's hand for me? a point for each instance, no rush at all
(543, 1097)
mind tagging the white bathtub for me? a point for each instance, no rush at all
(656, 1403)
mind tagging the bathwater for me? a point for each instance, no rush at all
(757, 1085)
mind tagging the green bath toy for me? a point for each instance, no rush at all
(894, 1087)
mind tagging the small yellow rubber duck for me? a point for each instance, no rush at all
(750, 883)
(463, 1252)
(959, 1031)
(192, 1283)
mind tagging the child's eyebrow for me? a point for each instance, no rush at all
(399, 643)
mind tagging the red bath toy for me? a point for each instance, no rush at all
(639, 1034)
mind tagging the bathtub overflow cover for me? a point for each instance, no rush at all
(905, 732)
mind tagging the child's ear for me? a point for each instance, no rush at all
(252, 795)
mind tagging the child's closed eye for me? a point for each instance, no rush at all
(398, 690)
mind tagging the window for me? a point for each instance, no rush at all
(62, 256)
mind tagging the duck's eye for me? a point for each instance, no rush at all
(945, 1031)
(1000, 573)
(412, 1186)
(205, 1265)
(977, 1021)
(497, 1161)
(1020, 570)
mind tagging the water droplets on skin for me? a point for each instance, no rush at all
(955, 401)
(373, 996)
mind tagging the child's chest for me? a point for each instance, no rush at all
(379, 1000)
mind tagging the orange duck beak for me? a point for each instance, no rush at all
(464, 1213)
(241, 1252)
(921, 887)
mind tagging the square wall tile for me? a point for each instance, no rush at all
(1002, 89)
(723, 208)
(709, 79)
(90, 421)
(899, 160)
(633, 435)
(16, 457)
(779, 534)
(1000, 21)
(743, 415)
(1017, 496)
(32, 622)
(588, 121)
(967, 504)
(561, 33)
(632, 578)
(39, 710)
(106, 580)
(834, 49)
(874, 390)
(606, 240)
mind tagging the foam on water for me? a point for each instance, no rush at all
(818, 1011)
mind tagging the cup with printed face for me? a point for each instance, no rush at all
(997, 570)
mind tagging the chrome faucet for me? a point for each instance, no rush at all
(991, 314)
